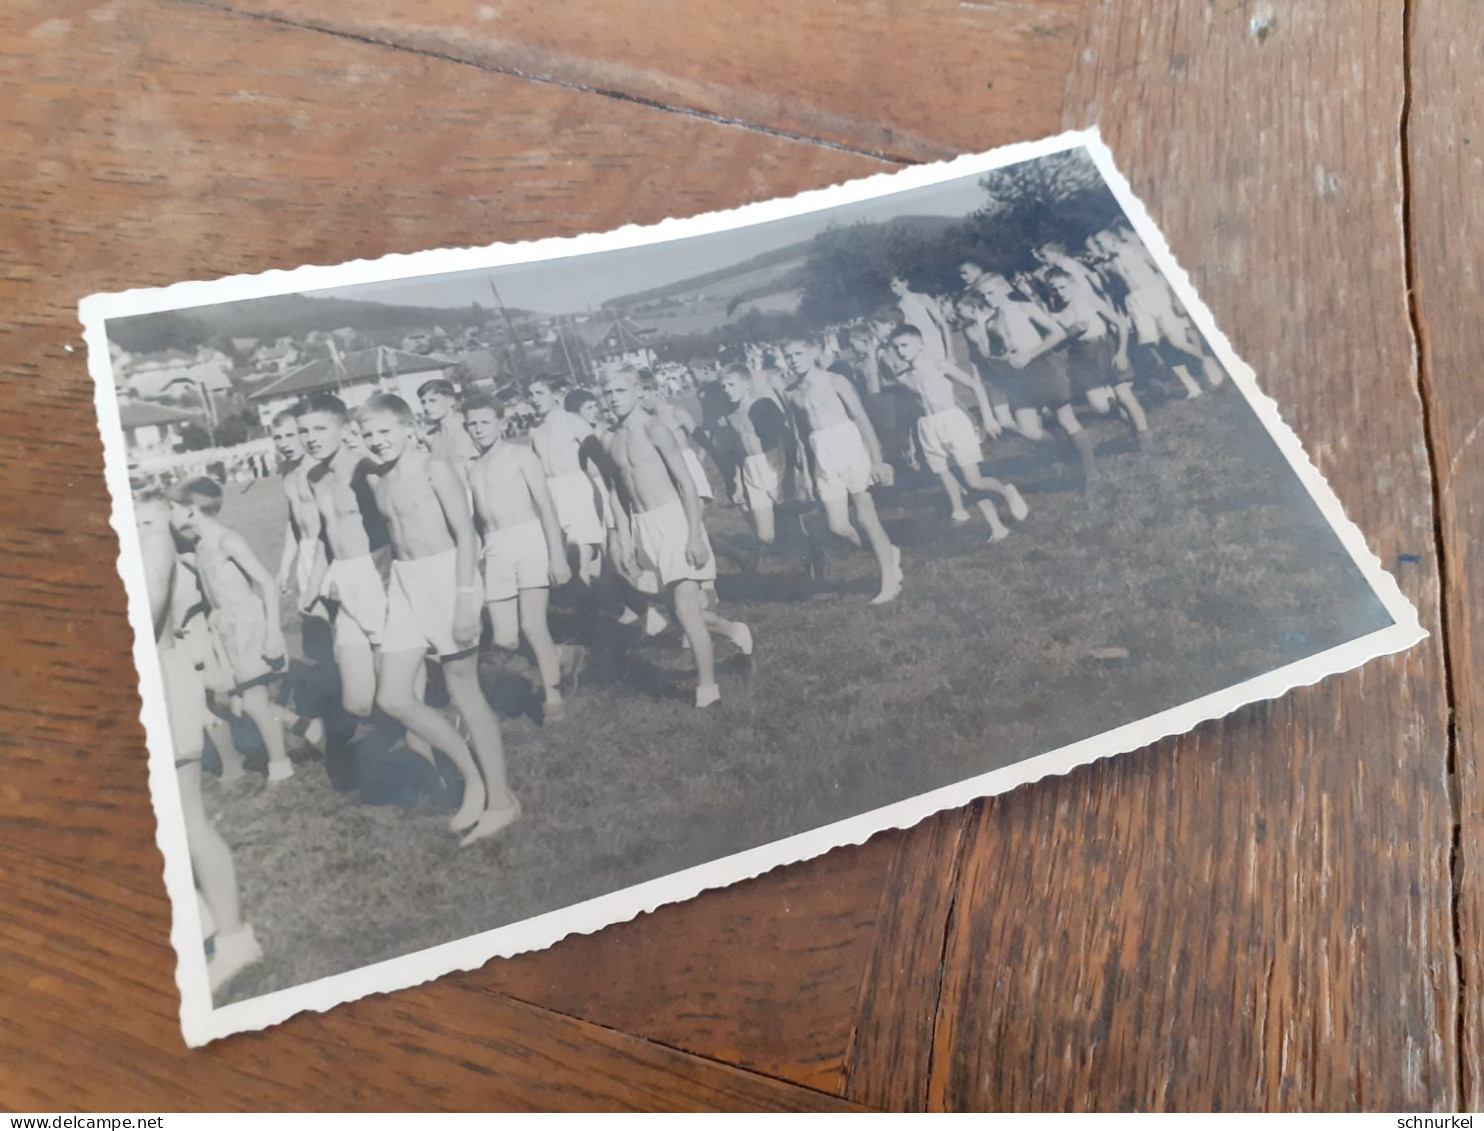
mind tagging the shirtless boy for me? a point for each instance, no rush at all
(302, 561)
(683, 424)
(947, 436)
(664, 536)
(1093, 343)
(557, 440)
(523, 552)
(433, 604)
(445, 435)
(339, 480)
(847, 456)
(243, 598)
(923, 313)
(236, 947)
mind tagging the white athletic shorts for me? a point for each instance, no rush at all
(185, 703)
(842, 466)
(760, 481)
(355, 585)
(572, 494)
(660, 538)
(516, 558)
(421, 604)
(697, 474)
(948, 437)
(1151, 308)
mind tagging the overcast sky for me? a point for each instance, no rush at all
(572, 284)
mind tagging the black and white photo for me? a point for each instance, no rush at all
(488, 595)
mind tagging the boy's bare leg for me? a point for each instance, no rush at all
(955, 496)
(462, 677)
(221, 737)
(978, 481)
(837, 514)
(256, 706)
(1028, 424)
(1192, 387)
(357, 664)
(763, 524)
(531, 607)
(1124, 391)
(211, 861)
(1081, 441)
(888, 557)
(686, 596)
(589, 563)
(397, 696)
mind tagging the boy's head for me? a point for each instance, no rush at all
(800, 355)
(907, 342)
(970, 271)
(970, 304)
(284, 428)
(621, 390)
(190, 502)
(582, 403)
(387, 426)
(322, 420)
(541, 391)
(736, 383)
(649, 389)
(483, 420)
(437, 398)
(885, 320)
(899, 285)
(1061, 285)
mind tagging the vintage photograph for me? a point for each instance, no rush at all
(481, 602)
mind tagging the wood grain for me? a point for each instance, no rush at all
(1446, 160)
(1257, 915)
(921, 81)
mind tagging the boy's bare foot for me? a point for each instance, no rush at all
(574, 660)
(472, 809)
(493, 821)
(1016, 501)
(280, 771)
(707, 694)
(998, 534)
(233, 954)
(741, 636)
(959, 517)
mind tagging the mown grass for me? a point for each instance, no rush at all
(1200, 556)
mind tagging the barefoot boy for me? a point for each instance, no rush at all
(433, 604)
(243, 599)
(664, 536)
(557, 441)
(339, 480)
(523, 551)
(947, 435)
(847, 456)
(236, 947)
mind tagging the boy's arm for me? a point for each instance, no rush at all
(240, 553)
(286, 558)
(857, 413)
(556, 550)
(975, 386)
(1055, 335)
(454, 500)
(668, 448)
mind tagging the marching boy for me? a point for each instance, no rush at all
(523, 551)
(947, 436)
(433, 603)
(243, 599)
(664, 537)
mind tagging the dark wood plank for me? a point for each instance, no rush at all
(81, 1009)
(149, 142)
(1446, 213)
(920, 82)
(1257, 915)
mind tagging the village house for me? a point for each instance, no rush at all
(359, 375)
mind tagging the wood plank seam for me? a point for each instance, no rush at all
(551, 80)
(1422, 356)
(689, 1053)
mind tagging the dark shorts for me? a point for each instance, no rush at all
(1041, 384)
(1089, 364)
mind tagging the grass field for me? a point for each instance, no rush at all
(1200, 557)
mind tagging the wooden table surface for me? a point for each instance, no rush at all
(1282, 910)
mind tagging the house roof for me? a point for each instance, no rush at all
(622, 334)
(321, 374)
(140, 414)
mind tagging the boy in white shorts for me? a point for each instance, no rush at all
(683, 424)
(523, 552)
(433, 605)
(557, 440)
(947, 436)
(847, 456)
(661, 537)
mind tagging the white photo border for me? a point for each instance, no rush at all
(201, 1022)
